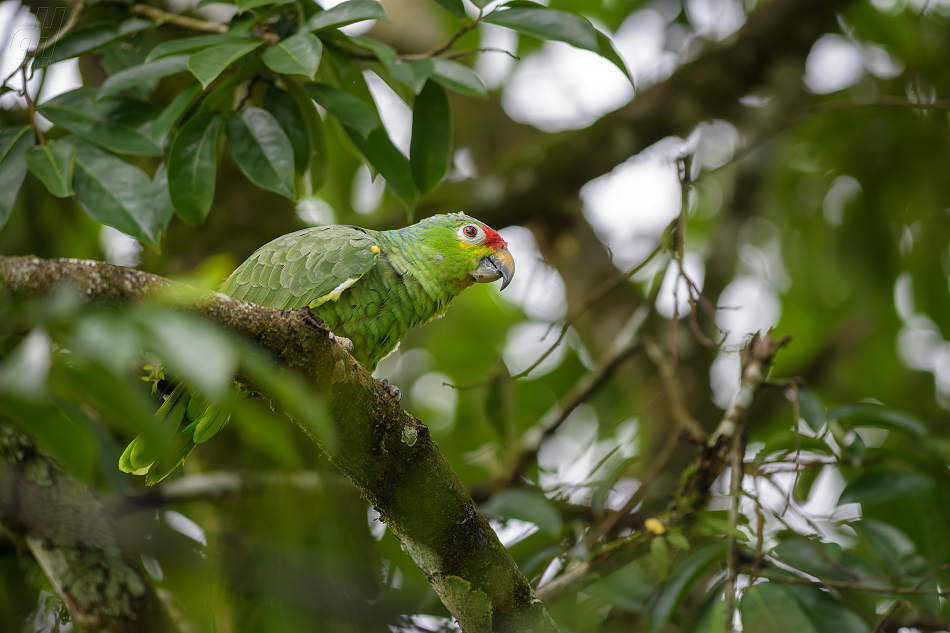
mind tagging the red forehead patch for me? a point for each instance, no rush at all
(492, 239)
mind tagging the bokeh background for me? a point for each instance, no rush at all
(819, 205)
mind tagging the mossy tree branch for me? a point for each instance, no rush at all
(46, 511)
(387, 453)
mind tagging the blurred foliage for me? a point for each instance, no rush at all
(835, 212)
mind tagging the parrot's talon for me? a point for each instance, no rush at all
(392, 390)
(343, 342)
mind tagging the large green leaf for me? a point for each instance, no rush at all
(192, 164)
(117, 194)
(347, 13)
(379, 150)
(115, 123)
(145, 72)
(812, 409)
(770, 608)
(526, 505)
(14, 142)
(608, 51)
(245, 5)
(876, 486)
(547, 24)
(431, 141)
(826, 613)
(414, 74)
(166, 120)
(262, 150)
(207, 64)
(319, 162)
(384, 52)
(297, 55)
(455, 7)
(458, 77)
(875, 415)
(349, 109)
(53, 165)
(67, 440)
(682, 579)
(287, 113)
(88, 38)
(193, 44)
(822, 560)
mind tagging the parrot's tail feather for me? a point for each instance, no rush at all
(190, 419)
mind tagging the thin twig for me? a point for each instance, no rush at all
(828, 108)
(736, 457)
(599, 293)
(32, 107)
(844, 584)
(160, 17)
(66, 28)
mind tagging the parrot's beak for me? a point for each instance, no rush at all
(499, 265)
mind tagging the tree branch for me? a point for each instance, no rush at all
(694, 488)
(47, 511)
(386, 452)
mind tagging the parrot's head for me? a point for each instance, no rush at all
(472, 248)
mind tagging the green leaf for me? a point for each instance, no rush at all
(192, 165)
(877, 416)
(350, 110)
(14, 142)
(715, 525)
(384, 52)
(88, 38)
(207, 64)
(608, 51)
(812, 557)
(319, 162)
(682, 579)
(388, 161)
(113, 123)
(53, 165)
(876, 486)
(164, 209)
(458, 77)
(414, 74)
(812, 409)
(245, 5)
(455, 7)
(526, 505)
(660, 555)
(287, 113)
(140, 74)
(431, 141)
(825, 612)
(770, 608)
(297, 55)
(70, 442)
(197, 349)
(628, 588)
(347, 13)
(262, 150)
(170, 115)
(192, 45)
(678, 540)
(547, 24)
(116, 194)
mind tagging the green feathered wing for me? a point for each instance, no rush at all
(308, 267)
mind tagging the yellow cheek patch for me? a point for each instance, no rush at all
(375, 249)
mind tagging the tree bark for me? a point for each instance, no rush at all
(387, 453)
(48, 512)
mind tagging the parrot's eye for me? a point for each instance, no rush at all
(470, 231)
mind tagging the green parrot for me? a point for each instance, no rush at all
(370, 287)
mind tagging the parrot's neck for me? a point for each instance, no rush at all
(442, 278)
